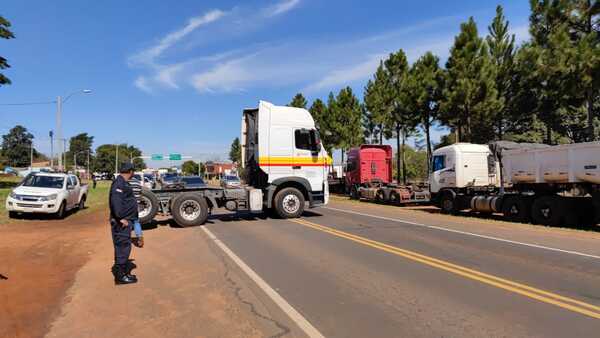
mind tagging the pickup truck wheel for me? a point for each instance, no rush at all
(289, 203)
(190, 209)
(147, 207)
(82, 203)
(516, 209)
(546, 210)
(60, 214)
(12, 214)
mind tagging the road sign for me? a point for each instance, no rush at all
(157, 157)
(175, 157)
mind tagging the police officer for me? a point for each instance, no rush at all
(123, 210)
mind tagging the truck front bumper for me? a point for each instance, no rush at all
(46, 207)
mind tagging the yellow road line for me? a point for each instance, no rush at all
(522, 289)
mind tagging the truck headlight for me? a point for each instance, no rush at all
(13, 195)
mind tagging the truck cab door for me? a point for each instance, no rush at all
(307, 162)
(443, 173)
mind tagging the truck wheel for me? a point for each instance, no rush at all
(289, 203)
(448, 204)
(546, 210)
(354, 193)
(190, 209)
(81, 205)
(516, 209)
(12, 214)
(147, 207)
(394, 198)
(60, 214)
(380, 196)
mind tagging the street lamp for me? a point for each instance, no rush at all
(59, 102)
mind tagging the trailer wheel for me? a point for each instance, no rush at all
(289, 203)
(147, 207)
(189, 209)
(448, 204)
(516, 209)
(546, 210)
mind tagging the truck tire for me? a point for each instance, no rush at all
(190, 209)
(60, 214)
(12, 214)
(354, 193)
(448, 203)
(148, 206)
(516, 209)
(380, 196)
(546, 210)
(289, 203)
(394, 198)
(81, 205)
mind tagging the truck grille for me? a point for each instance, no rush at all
(26, 205)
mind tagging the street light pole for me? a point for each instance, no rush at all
(59, 131)
(31, 157)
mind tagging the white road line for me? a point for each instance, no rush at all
(294, 315)
(467, 233)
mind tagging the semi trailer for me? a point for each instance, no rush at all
(369, 177)
(284, 165)
(549, 185)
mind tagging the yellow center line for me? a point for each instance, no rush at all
(522, 289)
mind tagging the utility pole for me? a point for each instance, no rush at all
(51, 149)
(64, 154)
(31, 157)
(59, 131)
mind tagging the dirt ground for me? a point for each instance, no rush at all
(38, 262)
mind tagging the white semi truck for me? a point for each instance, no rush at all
(284, 165)
(548, 185)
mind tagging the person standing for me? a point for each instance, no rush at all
(123, 211)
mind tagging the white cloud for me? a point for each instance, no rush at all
(348, 75)
(149, 55)
(142, 83)
(281, 7)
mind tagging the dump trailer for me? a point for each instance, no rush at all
(548, 185)
(284, 165)
(369, 177)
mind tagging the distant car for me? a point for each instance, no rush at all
(230, 181)
(193, 182)
(149, 184)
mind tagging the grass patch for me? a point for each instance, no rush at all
(97, 198)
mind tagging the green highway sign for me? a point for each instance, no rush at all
(175, 157)
(157, 157)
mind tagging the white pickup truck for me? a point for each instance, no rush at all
(48, 193)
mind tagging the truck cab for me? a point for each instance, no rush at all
(282, 155)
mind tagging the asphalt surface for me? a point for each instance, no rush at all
(352, 275)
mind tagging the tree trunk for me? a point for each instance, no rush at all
(342, 150)
(403, 157)
(590, 114)
(458, 134)
(398, 156)
(428, 140)
(500, 127)
(548, 135)
(381, 133)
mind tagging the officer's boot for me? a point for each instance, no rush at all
(122, 277)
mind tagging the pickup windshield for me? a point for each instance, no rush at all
(44, 182)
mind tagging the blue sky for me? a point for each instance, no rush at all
(174, 76)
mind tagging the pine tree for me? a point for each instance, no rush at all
(5, 33)
(235, 152)
(502, 52)
(376, 103)
(348, 113)
(322, 118)
(425, 89)
(470, 95)
(298, 101)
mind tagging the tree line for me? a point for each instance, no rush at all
(18, 146)
(545, 90)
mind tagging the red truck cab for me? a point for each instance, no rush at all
(369, 163)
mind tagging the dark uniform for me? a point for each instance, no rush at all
(123, 205)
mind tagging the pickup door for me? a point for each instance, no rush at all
(73, 188)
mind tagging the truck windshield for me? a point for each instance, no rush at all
(44, 182)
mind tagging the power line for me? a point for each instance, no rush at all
(27, 103)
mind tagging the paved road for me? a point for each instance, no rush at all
(352, 275)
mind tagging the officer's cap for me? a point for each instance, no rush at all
(126, 168)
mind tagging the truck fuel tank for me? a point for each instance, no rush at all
(486, 203)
